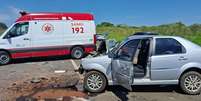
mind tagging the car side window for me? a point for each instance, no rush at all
(127, 51)
(18, 29)
(166, 46)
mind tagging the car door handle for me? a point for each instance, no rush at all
(26, 39)
(182, 58)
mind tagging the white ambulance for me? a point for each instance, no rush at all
(48, 34)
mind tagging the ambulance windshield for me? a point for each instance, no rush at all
(18, 30)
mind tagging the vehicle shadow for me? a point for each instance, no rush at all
(39, 59)
(157, 88)
(122, 93)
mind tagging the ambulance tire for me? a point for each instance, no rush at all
(77, 53)
(4, 58)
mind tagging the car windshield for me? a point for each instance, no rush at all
(114, 49)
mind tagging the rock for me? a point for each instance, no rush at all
(38, 80)
(35, 80)
(44, 78)
(14, 84)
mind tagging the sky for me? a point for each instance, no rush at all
(130, 12)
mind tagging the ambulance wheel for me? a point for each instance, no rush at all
(4, 58)
(95, 82)
(77, 53)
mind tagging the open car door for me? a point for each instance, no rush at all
(123, 66)
(122, 73)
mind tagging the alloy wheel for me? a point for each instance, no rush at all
(192, 83)
(94, 82)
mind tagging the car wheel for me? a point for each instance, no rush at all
(77, 53)
(4, 58)
(95, 82)
(190, 83)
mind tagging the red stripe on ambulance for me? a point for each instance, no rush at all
(55, 16)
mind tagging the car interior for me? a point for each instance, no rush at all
(140, 58)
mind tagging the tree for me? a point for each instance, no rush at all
(105, 24)
(122, 25)
(3, 26)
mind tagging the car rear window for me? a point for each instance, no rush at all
(168, 46)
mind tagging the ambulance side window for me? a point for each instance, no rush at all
(18, 30)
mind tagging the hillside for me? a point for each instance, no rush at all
(119, 32)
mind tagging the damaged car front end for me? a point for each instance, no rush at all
(99, 68)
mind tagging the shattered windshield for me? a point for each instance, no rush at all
(114, 49)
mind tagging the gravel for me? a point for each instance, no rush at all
(35, 77)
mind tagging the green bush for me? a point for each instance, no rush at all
(1, 32)
(117, 33)
(3, 26)
(121, 31)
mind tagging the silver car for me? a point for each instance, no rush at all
(146, 60)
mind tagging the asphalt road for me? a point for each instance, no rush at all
(26, 69)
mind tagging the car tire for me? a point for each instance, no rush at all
(4, 58)
(190, 83)
(93, 86)
(77, 53)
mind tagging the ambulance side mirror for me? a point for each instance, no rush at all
(8, 35)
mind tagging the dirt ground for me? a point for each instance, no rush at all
(35, 79)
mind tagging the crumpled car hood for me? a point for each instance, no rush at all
(104, 61)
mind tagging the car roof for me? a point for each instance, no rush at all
(188, 44)
(145, 33)
(150, 36)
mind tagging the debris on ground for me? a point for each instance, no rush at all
(59, 71)
(55, 95)
(36, 80)
(47, 87)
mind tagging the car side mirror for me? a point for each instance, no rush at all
(110, 54)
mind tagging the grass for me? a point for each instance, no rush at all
(117, 33)
(120, 33)
(194, 38)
